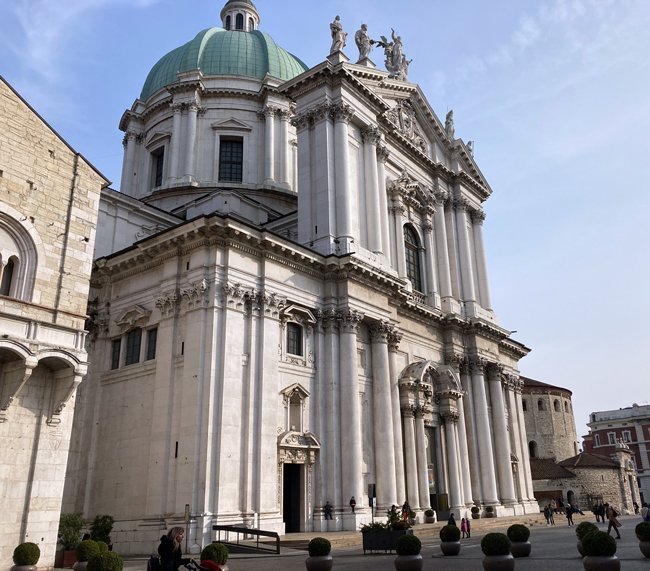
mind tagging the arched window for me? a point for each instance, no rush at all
(556, 405)
(8, 276)
(239, 22)
(228, 22)
(532, 449)
(412, 252)
(540, 404)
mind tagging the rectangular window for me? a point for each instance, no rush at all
(294, 339)
(158, 163)
(231, 159)
(524, 405)
(627, 437)
(116, 345)
(133, 342)
(611, 437)
(597, 437)
(152, 338)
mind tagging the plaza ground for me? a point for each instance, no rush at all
(553, 548)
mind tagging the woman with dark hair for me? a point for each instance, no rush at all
(171, 549)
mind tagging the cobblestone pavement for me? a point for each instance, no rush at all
(554, 548)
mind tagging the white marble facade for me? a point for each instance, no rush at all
(269, 345)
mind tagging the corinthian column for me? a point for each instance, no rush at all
(450, 419)
(394, 337)
(465, 251)
(522, 492)
(478, 216)
(128, 176)
(412, 490)
(371, 137)
(269, 145)
(442, 251)
(501, 437)
(483, 432)
(432, 279)
(383, 417)
(174, 146)
(423, 468)
(190, 143)
(382, 157)
(283, 174)
(344, 204)
(351, 449)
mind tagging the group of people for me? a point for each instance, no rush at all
(465, 526)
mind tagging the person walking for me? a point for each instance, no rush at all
(551, 511)
(328, 509)
(547, 515)
(353, 503)
(463, 527)
(452, 520)
(569, 514)
(612, 521)
(645, 512)
(469, 527)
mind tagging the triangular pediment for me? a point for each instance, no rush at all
(135, 315)
(231, 124)
(292, 439)
(156, 137)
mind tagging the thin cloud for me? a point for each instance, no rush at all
(44, 28)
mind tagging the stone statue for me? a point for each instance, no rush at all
(396, 62)
(449, 124)
(338, 36)
(470, 147)
(364, 43)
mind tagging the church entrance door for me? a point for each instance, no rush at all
(292, 496)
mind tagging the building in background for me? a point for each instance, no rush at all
(291, 303)
(560, 472)
(630, 425)
(49, 198)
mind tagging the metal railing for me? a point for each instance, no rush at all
(246, 531)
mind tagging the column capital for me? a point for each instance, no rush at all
(380, 331)
(478, 216)
(450, 416)
(461, 203)
(349, 320)
(177, 107)
(494, 372)
(408, 410)
(477, 364)
(394, 338)
(441, 195)
(382, 153)
(371, 135)
(341, 112)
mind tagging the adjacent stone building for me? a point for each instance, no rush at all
(630, 425)
(49, 198)
(291, 303)
(559, 470)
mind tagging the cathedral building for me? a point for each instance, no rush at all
(290, 302)
(49, 199)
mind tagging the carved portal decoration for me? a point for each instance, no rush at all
(306, 320)
(402, 116)
(132, 317)
(412, 194)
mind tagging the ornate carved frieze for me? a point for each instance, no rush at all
(196, 294)
(135, 315)
(402, 116)
(167, 302)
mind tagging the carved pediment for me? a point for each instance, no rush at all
(413, 193)
(136, 315)
(298, 314)
(155, 138)
(231, 124)
(403, 117)
(295, 389)
(292, 439)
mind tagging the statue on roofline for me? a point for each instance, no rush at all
(396, 63)
(364, 42)
(338, 36)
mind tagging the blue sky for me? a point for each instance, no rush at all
(555, 93)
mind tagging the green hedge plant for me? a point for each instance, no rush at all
(584, 528)
(108, 561)
(87, 549)
(27, 553)
(518, 533)
(408, 545)
(599, 544)
(642, 531)
(449, 533)
(216, 552)
(319, 547)
(101, 527)
(495, 544)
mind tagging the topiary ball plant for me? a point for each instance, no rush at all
(27, 553)
(319, 547)
(642, 531)
(584, 528)
(103, 548)
(87, 549)
(428, 513)
(518, 533)
(599, 544)
(408, 545)
(495, 544)
(108, 561)
(216, 552)
(101, 527)
(449, 533)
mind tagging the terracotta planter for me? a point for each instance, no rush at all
(69, 557)
(499, 563)
(450, 547)
(581, 550)
(520, 548)
(591, 563)
(644, 546)
(320, 563)
(409, 563)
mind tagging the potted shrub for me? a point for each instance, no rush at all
(450, 540)
(85, 551)
(106, 561)
(26, 556)
(489, 511)
(496, 548)
(70, 526)
(600, 549)
(476, 512)
(379, 536)
(100, 529)
(642, 531)
(583, 529)
(217, 553)
(518, 535)
(319, 555)
(408, 553)
(429, 516)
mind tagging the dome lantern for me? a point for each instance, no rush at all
(240, 15)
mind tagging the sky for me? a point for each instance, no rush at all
(555, 94)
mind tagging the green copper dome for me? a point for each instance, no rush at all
(216, 51)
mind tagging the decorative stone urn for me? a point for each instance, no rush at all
(319, 563)
(496, 548)
(518, 535)
(499, 563)
(450, 547)
(644, 546)
(601, 563)
(600, 549)
(408, 554)
(409, 562)
(521, 548)
(450, 540)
